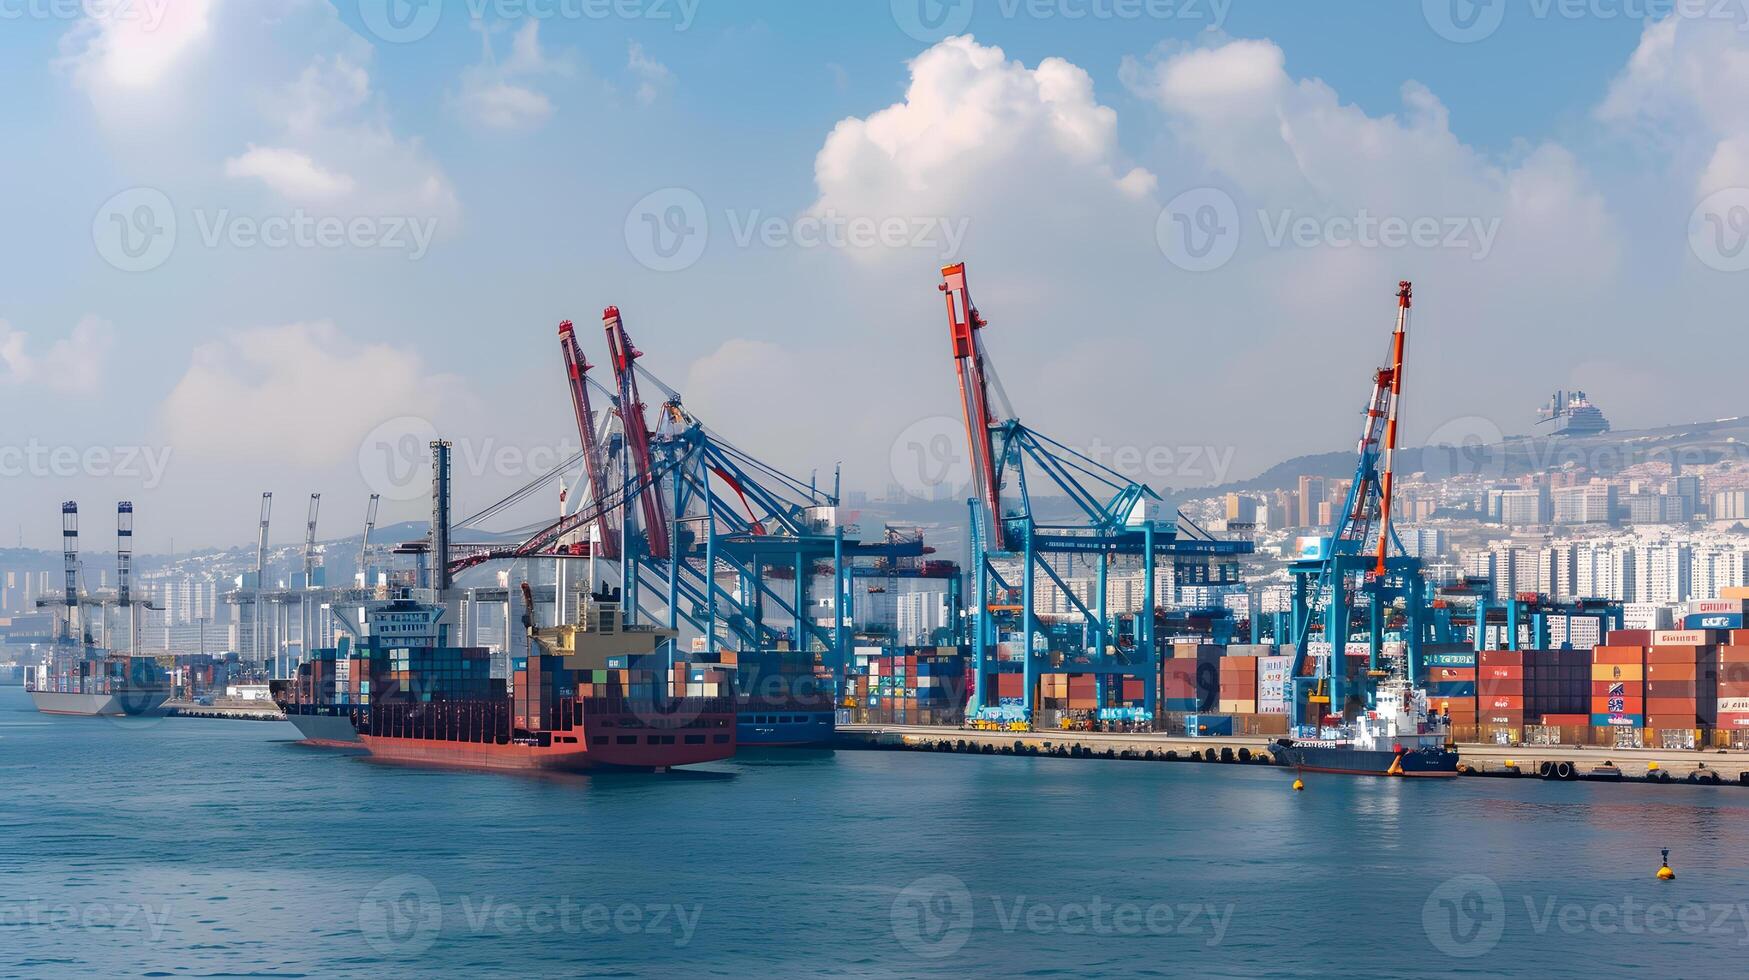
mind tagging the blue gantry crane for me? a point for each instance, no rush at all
(1110, 517)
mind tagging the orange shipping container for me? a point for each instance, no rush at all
(1672, 672)
(1675, 655)
(1618, 655)
(1500, 672)
(1672, 706)
(1500, 658)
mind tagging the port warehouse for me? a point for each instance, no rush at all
(673, 512)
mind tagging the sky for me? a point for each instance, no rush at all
(277, 245)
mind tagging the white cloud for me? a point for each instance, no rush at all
(289, 173)
(1684, 87)
(300, 394)
(75, 364)
(653, 77)
(336, 148)
(500, 95)
(128, 46)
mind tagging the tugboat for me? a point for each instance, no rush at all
(1399, 736)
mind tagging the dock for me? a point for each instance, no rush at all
(1711, 767)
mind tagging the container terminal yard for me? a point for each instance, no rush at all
(675, 532)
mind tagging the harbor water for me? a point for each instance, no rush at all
(184, 847)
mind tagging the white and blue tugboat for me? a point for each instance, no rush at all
(1398, 736)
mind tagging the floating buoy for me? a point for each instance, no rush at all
(1298, 786)
(1664, 872)
(1651, 767)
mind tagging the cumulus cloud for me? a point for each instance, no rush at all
(975, 134)
(289, 173)
(300, 394)
(75, 364)
(1684, 86)
(501, 94)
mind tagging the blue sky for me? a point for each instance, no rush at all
(1570, 160)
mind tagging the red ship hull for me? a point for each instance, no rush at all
(558, 757)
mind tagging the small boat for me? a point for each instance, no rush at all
(1398, 736)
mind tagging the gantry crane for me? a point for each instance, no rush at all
(1116, 519)
(1361, 562)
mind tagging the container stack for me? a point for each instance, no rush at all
(916, 687)
(1618, 689)
(1238, 685)
(1557, 687)
(1450, 677)
(1190, 681)
(1272, 686)
(1500, 695)
(1681, 692)
(1732, 704)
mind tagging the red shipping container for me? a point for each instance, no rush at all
(1676, 722)
(1501, 703)
(1629, 638)
(1734, 721)
(1575, 721)
(1673, 689)
(1604, 689)
(1502, 658)
(1499, 672)
(1733, 689)
(1489, 689)
(1133, 690)
(1508, 719)
(1451, 674)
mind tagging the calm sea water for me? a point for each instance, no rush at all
(209, 848)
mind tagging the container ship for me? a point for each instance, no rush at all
(589, 696)
(96, 683)
(1399, 736)
(783, 699)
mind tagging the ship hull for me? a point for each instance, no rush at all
(561, 756)
(132, 704)
(1422, 763)
(327, 731)
(790, 730)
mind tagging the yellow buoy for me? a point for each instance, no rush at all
(1664, 872)
(1298, 786)
(1651, 767)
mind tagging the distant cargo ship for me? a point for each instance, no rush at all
(1399, 736)
(1573, 415)
(782, 700)
(595, 698)
(96, 683)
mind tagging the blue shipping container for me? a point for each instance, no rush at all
(1207, 725)
(1713, 621)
